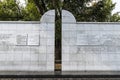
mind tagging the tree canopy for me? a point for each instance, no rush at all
(99, 11)
(9, 10)
(83, 10)
(30, 12)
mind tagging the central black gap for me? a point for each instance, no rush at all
(58, 37)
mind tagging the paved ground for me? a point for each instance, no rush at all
(59, 78)
(60, 73)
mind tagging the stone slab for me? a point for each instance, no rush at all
(27, 46)
(90, 46)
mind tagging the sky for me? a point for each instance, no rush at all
(117, 7)
(22, 2)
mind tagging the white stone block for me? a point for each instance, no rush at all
(65, 41)
(73, 57)
(104, 57)
(43, 34)
(65, 49)
(33, 40)
(50, 66)
(81, 66)
(73, 49)
(42, 57)
(43, 41)
(50, 27)
(50, 34)
(116, 27)
(66, 34)
(66, 57)
(81, 57)
(86, 27)
(73, 65)
(67, 27)
(35, 27)
(50, 58)
(48, 17)
(26, 57)
(72, 41)
(42, 49)
(43, 26)
(50, 41)
(17, 57)
(6, 28)
(50, 49)
(67, 17)
(90, 68)
(80, 27)
(3, 57)
(65, 66)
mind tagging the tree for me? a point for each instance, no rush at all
(9, 10)
(100, 11)
(115, 17)
(30, 12)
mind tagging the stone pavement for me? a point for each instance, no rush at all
(59, 78)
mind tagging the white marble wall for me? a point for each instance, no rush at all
(89, 46)
(27, 46)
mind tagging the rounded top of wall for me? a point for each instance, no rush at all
(67, 17)
(48, 17)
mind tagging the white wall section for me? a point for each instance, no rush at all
(27, 46)
(90, 46)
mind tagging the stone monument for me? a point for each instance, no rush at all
(27, 46)
(89, 46)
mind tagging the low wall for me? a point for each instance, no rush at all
(89, 46)
(27, 46)
(86, 46)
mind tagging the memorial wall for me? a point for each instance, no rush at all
(86, 46)
(89, 46)
(27, 46)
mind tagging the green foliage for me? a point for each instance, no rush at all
(9, 10)
(98, 12)
(43, 5)
(30, 13)
(115, 18)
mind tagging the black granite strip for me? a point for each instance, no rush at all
(59, 76)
